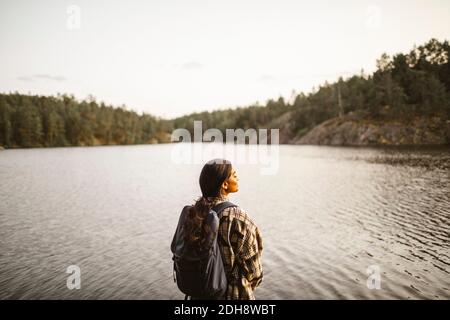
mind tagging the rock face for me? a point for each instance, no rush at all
(348, 131)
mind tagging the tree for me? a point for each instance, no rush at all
(384, 64)
(5, 124)
(389, 94)
(27, 125)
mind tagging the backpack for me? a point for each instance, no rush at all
(200, 274)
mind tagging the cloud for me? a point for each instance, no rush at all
(28, 79)
(49, 77)
(42, 77)
(192, 65)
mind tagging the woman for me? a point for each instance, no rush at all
(238, 237)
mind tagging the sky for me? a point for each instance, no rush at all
(170, 58)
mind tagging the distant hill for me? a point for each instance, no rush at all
(405, 101)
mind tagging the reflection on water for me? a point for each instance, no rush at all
(328, 215)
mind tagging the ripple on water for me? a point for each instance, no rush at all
(327, 215)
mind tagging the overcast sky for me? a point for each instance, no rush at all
(170, 58)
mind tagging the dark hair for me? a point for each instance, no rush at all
(213, 174)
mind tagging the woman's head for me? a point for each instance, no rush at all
(218, 178)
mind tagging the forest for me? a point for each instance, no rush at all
(403, 87)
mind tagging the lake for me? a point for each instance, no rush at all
(329, 216)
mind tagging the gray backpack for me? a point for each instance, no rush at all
(200, 274)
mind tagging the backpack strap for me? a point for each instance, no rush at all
(218, 208)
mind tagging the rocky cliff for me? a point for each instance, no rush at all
(351, 131)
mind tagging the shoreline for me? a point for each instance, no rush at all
(355, 146)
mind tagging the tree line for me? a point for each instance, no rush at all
(403, 86)
(39, 121)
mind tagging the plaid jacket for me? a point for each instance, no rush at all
(241, 246)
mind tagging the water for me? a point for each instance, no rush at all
(325, 217)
